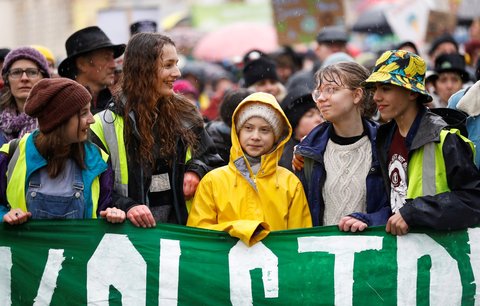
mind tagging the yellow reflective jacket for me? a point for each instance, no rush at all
(234, 200)
(27, 160)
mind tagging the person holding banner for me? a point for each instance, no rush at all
(340, 172)
(56, 172)
(428, 168)
(252, 195)
(156, 139)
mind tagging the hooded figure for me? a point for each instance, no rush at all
(269, 197)
(468, 101)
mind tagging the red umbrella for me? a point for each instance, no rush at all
(235, 40)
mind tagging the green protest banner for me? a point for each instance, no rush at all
(96, 263)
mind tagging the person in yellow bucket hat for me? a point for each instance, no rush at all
(50, 59)
(427, 166)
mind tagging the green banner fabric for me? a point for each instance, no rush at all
(92, 262)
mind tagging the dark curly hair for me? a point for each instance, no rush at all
(161, 118)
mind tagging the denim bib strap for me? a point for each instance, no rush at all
(44, 206)
(78, 182)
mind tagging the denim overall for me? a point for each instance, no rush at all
(43, 206)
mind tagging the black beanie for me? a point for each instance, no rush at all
(259, 69)
(298, 101)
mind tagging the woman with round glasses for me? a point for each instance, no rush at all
(341, 174)
(23, 68)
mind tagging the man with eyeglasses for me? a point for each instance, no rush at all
(91, 62)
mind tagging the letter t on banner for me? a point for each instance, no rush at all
(344, 249)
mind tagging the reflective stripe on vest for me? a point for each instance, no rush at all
(17, 198)
(5, 148)
(427, 174)
(111, 135)
(17, 177)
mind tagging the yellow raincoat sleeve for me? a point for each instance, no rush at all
(204, 214)
(299, 212)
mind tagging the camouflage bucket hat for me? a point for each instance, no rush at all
(401, 68)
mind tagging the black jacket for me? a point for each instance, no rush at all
(220, 133)
(103, 99)
(457, 209)
(204, 159)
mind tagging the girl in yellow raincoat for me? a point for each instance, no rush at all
(252, 195)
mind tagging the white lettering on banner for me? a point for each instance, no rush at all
(473, 236)
(243, 259)
(445, 282)
(5, 276)
(116, 262)
(169, 269)
(48, 283)
(344, 249)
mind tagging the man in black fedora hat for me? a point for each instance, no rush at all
(91, 62)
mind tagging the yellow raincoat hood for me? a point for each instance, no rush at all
(270, 160)
(246, 205)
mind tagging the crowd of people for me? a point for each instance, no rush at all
(121, 131)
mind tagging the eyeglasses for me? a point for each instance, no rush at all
(326, 91)
(30, 72)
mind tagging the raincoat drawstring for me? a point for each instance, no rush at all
(236, 172)
(276, 169)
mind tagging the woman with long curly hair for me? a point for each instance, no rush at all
(156, 138)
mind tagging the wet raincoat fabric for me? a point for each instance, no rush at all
(458, 208)
(234, 200)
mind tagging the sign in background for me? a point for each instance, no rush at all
(96, 263)
(299, 21)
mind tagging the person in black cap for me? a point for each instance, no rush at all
(91, 62)
(330, 40)
(303, 115)
(143, 26)
(252, 55)
(444, 44)
(407, 46)
(448, 78)
(261, 75)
